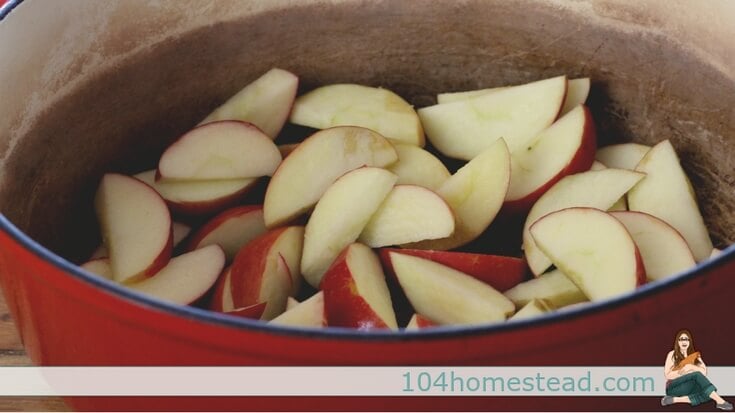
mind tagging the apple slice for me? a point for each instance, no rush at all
(254, 311)
(417, 166)
(553, 287)
(136, 227)
(465, 128)
(185, 278)
(663, 250)
(603, 262)
(594, 189)
(622, 203)
(340, 216)
(217, 151)
(261, 271)
(667, 193)
(179, 233)
(475, 193)
(222, 298)
(448, 296)
(230, 230)
(311, 168)
(347, 104)
(99, 266)
(418, 322)
(577, 92)
(597, 166)
(409, 213)
(622, 156)
(291, 303)
(310, 313)
(355, 292)
(193, 198)
(533, 308)
(564, 148)
(266, 102)
(715, 252)
(497, 271)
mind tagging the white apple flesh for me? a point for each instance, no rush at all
(623, 155)
(417, 166)
(554, 287)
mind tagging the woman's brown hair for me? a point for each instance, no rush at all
(678, 357)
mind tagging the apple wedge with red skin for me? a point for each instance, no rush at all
(309, 313)
(261, 271)
(593, 249)
(135, 225)
(418, 322)
(221, 301)
(179, 233)
(231, 230)
(663, 250)
(595, 189)
(564, 148)
(501, 273)
(355, 292)
(219, 151)
(99, 266)
(266, 102)
(185, 278)
(448, 296)
(304, 176)
(464, 129)
(198, 198)
(374, 108)
(553, 287)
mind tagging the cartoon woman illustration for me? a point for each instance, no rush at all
(686, 375)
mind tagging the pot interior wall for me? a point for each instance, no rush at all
(645, 89)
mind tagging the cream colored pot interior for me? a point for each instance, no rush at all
(90, 86)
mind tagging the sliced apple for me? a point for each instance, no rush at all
(409, 213)
(418, 322)
(533, 308)
(564, 148)
(497, 271)
(286, 149)
(193, 198)
(622, 156)
(291, 303)
(663, 250)
(603, 262)
(261, 271)
(475, 193)
(136, 227)
(179, 233)
(230, 230)
(577, 92)
(254, 311)
(715, 252)
(465, 128)
(417, 166)
(622, 203)
(355, 292)
(597, 166)
(447, 296)
(218, 151)
(553, 287)
(99, 266)
(222, 297)
(309, 313)
(347, 104)
(594, 189)
(185, 278)
(266, 102)
(311, 168)
(667, 193)
(340, 216)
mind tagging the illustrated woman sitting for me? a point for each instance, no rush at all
(686, 376)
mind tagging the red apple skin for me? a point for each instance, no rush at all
(343, 306)
(581, 162)
(161, 260)
(641, 277)
(501, 273)
(219, 288)
(423, 322)
(248, 268)
(215, 222)
(205, 208)
(254, 311)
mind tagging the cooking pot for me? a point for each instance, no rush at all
(90, 87)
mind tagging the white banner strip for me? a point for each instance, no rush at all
(344, 381)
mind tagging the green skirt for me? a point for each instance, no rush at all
(695, 385)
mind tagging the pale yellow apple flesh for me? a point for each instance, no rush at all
(533, 308)
(355, 105)
(179, 233)
(315, 164)
(594, 189)
(409, 213)
(99, 266)
(417, 166)
(667, 193)
(577, 92)
(554, 287)
(266, 102)
(309, 313)
(194, 192)
(231, 231)
(622, 156)
(622, 203)
(340, 216)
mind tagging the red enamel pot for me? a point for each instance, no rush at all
(89, 87)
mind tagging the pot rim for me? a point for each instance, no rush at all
(441, 332)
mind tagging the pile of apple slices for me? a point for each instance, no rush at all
(366, 216)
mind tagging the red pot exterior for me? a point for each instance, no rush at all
(65, 319)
